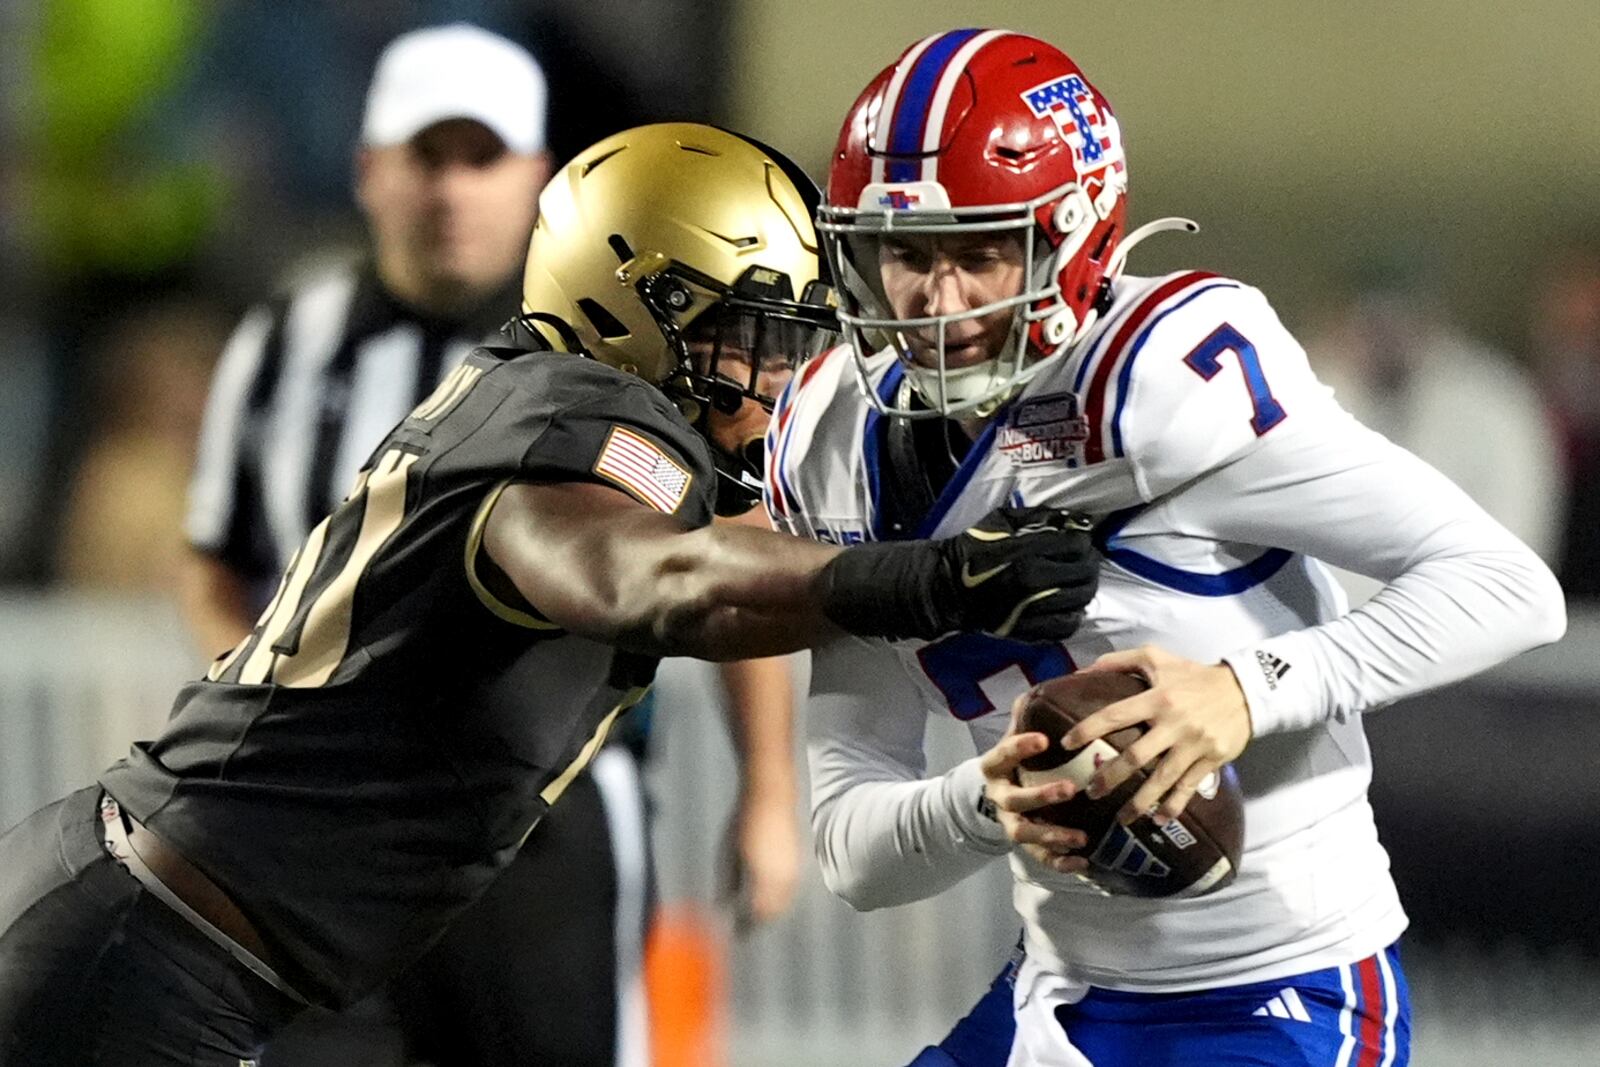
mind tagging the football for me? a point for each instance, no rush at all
(1194, 854)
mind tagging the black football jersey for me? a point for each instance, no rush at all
(358, 769)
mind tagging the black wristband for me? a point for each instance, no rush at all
(986, 807)
(882, 589)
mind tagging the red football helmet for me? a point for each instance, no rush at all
(979, 131)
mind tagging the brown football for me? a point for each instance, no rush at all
(1194, 854)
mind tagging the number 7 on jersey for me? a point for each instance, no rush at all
(1206, 361)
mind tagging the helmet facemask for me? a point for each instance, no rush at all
(735, 344)
(1052, 231)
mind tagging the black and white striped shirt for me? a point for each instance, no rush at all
(308, 384)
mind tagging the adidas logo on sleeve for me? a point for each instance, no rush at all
(1273, 668)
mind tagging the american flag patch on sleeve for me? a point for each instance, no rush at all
(640, 466)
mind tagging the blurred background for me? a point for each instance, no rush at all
(1416, 186)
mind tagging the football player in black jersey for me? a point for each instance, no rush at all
(447, 649)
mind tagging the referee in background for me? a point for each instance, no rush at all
(448, 172)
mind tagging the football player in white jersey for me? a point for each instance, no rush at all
(975, 218)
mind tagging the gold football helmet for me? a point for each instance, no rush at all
(666, 249)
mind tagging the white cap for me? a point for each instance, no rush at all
(457, 71)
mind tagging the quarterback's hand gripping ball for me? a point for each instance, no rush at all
(1194, 854)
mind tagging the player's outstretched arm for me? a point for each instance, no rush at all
(596, 563)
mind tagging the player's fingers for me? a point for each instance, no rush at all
(1009, 752)
(1047, 836)
(1076, 577)
(1054, 618)
(1136, 756)
(1021, 798)
(1111, 718)
(1166, 774)
(1056, 861)
(1069, 864)
(1180, 795)
(1141, 660)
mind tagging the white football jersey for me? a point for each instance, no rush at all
(1220, 471)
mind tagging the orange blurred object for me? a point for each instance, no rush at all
(685, 981)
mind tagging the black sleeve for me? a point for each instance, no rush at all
(558, 418)
(245, 545)
(603, 426)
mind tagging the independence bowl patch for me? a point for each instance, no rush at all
(1044, 429)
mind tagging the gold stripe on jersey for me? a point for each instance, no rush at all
(361, 483)
(500, 608)
(326, 633)
(552, 792)
(449, 392)
(259, 665)
(220, 665)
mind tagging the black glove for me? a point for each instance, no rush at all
(1024, 573)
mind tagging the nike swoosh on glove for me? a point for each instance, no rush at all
(1023, 573)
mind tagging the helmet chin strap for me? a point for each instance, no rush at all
(969, 392)
(1067, 333)
(739, 476)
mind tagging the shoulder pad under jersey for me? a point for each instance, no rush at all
(815, 484)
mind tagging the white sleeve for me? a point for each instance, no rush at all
(213, 487)
(884, 834)
(1461, 593)
(1229, 429)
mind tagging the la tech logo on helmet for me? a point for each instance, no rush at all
(1069, 103)
(899, 200)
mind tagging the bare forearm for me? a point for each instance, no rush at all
(760, 709)
(725, 593)
(596, 565)
(761, 720)
(594, 562)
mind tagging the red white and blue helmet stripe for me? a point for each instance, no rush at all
(917, 102)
